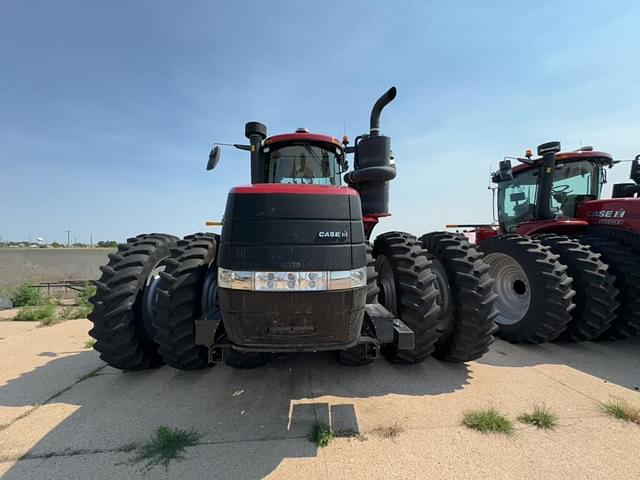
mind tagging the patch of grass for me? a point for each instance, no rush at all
(83, 311)
(87, 292)
(69, 313)
(48, 321)
(540, 417)
(90, 343)
(84, 305)
(41, 313)
(620, 409)
(321, 434)
(73, 313)
(167, 444)
(487, 421)
(28, 296)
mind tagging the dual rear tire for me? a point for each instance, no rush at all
(535, 294)
(439, 286)
(148, 298)
(124, 303)
(554, 287)
(467, 317)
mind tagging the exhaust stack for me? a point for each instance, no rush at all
(373, 167)
(383, 101)
(256, 132)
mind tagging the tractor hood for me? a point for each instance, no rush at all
(289, 227)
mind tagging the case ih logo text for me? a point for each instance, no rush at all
(342, 234)
(606, 213)
(607, 217)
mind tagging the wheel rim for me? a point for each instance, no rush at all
(442, 286)
(209, 299)
(388, 295)
(511, 284)
(150, 297)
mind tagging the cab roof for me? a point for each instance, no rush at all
(563, 157)
(303, 137)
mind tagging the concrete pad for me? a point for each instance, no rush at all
(222, 403)
(607, 362)
(24, 434)
(247, 460)
(589, 449)
(256, 423)
(40, 362)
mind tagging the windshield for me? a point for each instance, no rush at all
(516, 199)
(573, 182)
(303, 163)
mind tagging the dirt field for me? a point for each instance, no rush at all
(20, 265)
(67, 416)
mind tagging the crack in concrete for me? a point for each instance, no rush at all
(24, 415)
(127, 448)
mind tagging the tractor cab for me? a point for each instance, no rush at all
(303, 158)
(549, 188)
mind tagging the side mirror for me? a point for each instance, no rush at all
(214, 158)
(506, 173)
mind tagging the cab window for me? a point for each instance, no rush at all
(574, 182)
(517, 199)
(304, 163)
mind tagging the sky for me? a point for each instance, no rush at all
(108, 109)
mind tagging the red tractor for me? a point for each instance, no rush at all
(565, 262)
(294, 270)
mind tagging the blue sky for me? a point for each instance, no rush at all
(108, 109)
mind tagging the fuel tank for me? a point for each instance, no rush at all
(292, 267)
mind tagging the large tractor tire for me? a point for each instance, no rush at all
(408, 290)
(625, 237)
(125, 302)
(467, 314)
(357, 355)
(624, 264)
(187, 290)
(535, 296)
(595, 293)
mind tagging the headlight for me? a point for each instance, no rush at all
(235, 279)
(292, 281)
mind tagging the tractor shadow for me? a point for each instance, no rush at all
(250, 420)
(616, 362)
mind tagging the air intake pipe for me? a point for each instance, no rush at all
(256, 132)
(545, 180)
(372, 163)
